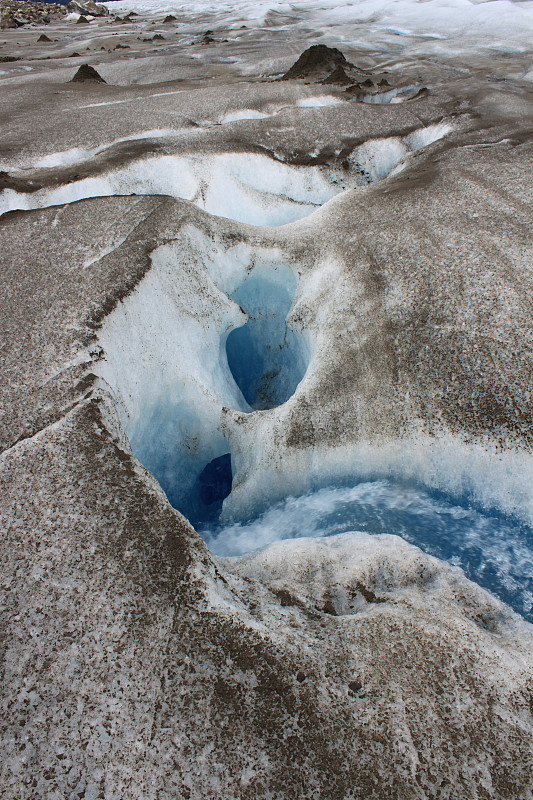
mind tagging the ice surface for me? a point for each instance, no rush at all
(169, 363)
(246, 113)
(246, 187)
(166, 364)
(449, 27)
(207, 334)
(379, 157)
(322, 101)
(163, 363)
(493, 550)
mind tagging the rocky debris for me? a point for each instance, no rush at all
(8, 59)
(15, 14)
(169, 18)
(356, 91)
(317, 63)
(88, 7)
(328, 66)
(44, 38)
(87, 73)
(208, 38)
(366, 89)
(82, 19)
(338, 76)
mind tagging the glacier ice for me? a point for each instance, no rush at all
(266, 357)
(246, 187)
(494, 550)
(172, 364)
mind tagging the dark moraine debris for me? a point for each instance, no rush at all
(44, 38)
(82, 19)
(317, 63)
(169, 18)
(86, 7)
(87, 73)
(423, 92)
(339, 77)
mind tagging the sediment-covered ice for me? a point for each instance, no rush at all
(208, 336)
(355, 384)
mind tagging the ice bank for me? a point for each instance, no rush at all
(246, 187)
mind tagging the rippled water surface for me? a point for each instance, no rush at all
(493, 550)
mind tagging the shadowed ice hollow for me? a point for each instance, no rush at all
(265, 355)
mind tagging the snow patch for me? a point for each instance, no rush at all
(321, 101)
(246, 113)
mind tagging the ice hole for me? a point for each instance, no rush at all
(266, 357)
(211, 488)
(187, 455)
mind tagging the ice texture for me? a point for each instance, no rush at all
(166, 363)
(265, 356)
(436, 27)
(207, 337)
(246, 187)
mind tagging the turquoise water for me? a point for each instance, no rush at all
(495, 551)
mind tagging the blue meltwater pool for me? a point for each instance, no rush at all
(494, 550)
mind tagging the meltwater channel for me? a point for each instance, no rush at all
(495, 551)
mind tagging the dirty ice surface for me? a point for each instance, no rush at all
(495, 551)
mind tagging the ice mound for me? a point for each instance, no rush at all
(317, 63)
(246, 187)
(355, 575)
